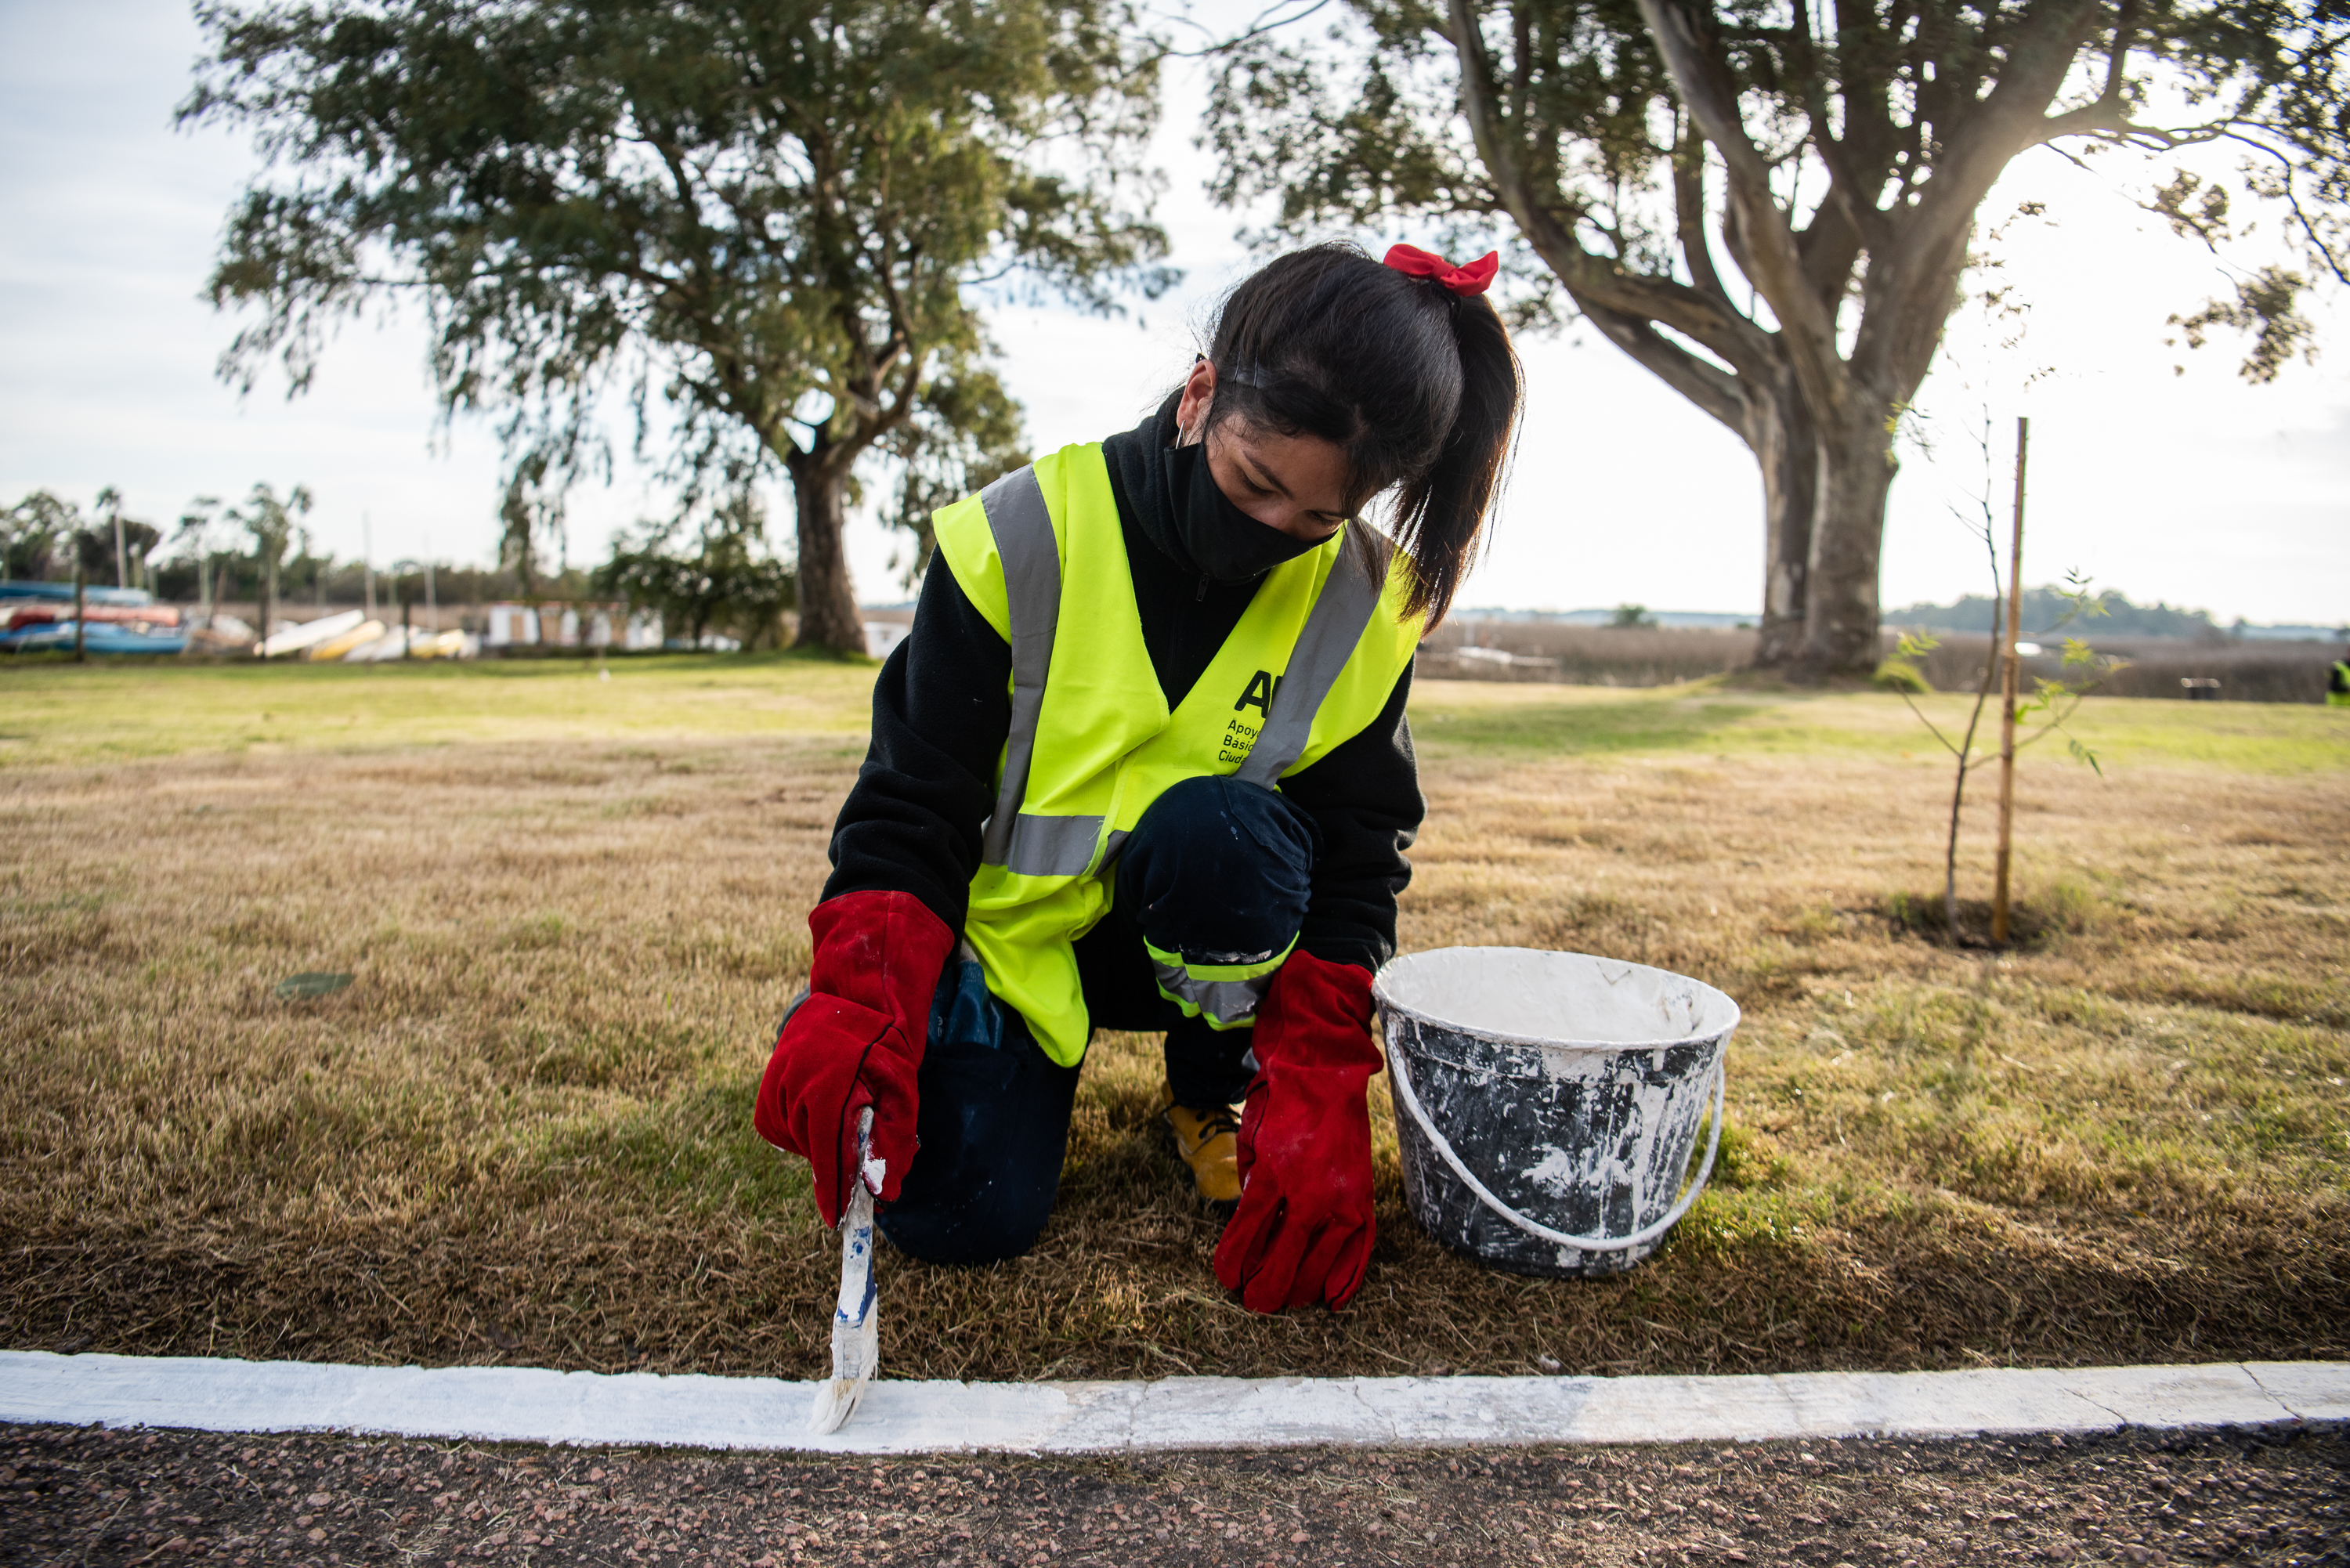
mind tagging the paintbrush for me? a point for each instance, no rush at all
(856, 1316)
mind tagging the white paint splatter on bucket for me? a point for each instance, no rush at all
(1549, 1098)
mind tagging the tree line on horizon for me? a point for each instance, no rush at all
(702, 574)
(769, 230)
(2047, 607)
(711, 572)
(211, 556)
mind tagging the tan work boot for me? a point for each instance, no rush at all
(1209, 1142)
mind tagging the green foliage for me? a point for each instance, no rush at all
(1630, 617)
(770, 219)
(1900, 672)
(965, 437)
(1588, 146)
(2052, 701)
(531, 509)
(1771, 209)
(2046, 608)
(270, 524)
(43, 537)
(2267, 305)
(725, 582)
(115, 533)
(31, 535)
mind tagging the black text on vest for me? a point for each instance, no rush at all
(1263, 688)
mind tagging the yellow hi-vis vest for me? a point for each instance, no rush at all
(1041, 554)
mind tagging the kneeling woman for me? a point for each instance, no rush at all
(1142, 764)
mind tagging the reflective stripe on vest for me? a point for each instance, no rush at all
(1323, 649)
(1089, 742)
(1033, 846)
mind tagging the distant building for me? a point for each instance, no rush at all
(513, 624)
(505, 625)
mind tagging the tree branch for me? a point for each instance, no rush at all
(1689, 213)
(1711, 388)
(1594, 280)
(1908, 279)
(1806, 331)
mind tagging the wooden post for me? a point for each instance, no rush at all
(80, 582)
(405, 634)
(2011, 679)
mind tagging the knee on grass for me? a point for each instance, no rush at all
(970, 1233)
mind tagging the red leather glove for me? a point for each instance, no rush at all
(1302, 1230)
(857, 1041)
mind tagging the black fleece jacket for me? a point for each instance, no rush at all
(943, 707)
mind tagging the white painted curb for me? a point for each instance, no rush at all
(538, 1406)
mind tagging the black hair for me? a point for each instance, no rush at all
(1418, 387)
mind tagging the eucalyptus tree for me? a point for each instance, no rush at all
(1770, 204)
(762, 223)
(32, 534)
(198, 544)
(271, 523)
(118, 544)
(714, 575)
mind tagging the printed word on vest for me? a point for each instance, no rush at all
(1092, 742)
(1240, 735)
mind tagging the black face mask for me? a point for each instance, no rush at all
(1224, 542)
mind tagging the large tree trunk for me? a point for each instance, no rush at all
(828, 617)
(1779, 431)
(1840, 606)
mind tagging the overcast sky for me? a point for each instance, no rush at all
(2194, 488)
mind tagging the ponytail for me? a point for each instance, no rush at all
(1418, 385)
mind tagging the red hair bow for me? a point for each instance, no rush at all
(1474, 278)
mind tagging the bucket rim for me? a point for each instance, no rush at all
(1389, 1004)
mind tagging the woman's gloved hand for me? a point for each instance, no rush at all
(1303, 1232)
(857, 1041)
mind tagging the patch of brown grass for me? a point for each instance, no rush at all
(523, 1133)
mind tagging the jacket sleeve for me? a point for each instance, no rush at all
(942, 709)
(1364, 796)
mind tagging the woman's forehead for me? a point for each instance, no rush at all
(1312, 469)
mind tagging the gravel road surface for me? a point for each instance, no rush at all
(88, 1495)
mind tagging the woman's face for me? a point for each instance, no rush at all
(1295, 484)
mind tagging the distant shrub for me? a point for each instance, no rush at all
(1898, 674)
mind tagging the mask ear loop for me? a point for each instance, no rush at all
(1184, 438)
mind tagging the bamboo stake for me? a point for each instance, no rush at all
(2011, 679)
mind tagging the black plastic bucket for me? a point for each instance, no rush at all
(1547, 1103)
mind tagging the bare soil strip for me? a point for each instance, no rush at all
(100, 1497)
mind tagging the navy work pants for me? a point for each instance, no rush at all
(1215, 866)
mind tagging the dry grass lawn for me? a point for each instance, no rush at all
(574, 905)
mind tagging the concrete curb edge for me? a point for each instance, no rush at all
(534, 1405)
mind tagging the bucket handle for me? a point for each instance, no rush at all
(1647, 1233)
